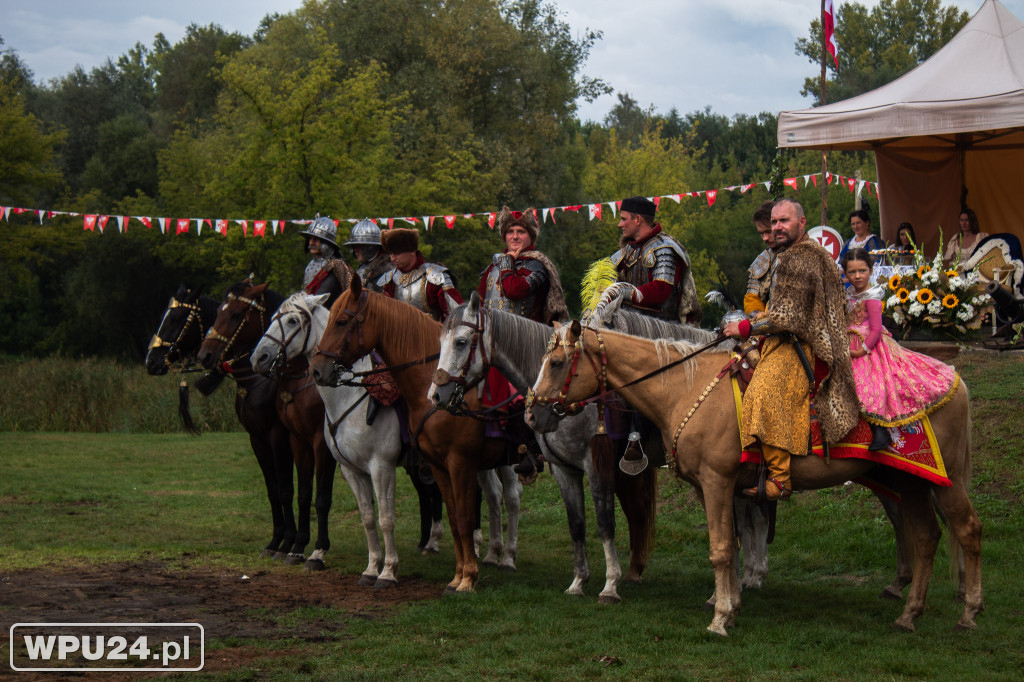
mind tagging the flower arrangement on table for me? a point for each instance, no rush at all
(932, 296)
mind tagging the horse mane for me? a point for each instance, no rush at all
(410, 332)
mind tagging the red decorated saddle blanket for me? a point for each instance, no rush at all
(382, 386)
(914, 448)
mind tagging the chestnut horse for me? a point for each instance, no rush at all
(242, 319)
(176, 343)
(700, 420)
(409, 341)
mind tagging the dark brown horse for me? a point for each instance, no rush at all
(175, 345)
(409, 342)
(241, 320)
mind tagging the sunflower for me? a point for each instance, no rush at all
(950, 301)
(925, 296)
(894, 283)
(951, 273)
(923, 269)
(904, 295)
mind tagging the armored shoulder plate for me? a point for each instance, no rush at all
(439, 275)
(617, 257)
(383, 280)
(759, 268)
(663, 241)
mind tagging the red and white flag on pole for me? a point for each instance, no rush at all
(828, 19)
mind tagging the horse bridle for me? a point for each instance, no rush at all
(212, 333)
(441, 377)
(194, 314)
(357, 315)
(559, 405)
(286, 339)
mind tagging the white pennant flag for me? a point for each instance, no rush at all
(122, 223)
(163, 225)
(612, 205)
(544, 215)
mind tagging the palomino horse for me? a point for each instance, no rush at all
(407, 339)
(241, 320)
(367, 454)
(177, 340)
(683, 403)
(474, 339)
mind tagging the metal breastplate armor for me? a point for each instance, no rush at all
(368, 273)
(655, 260)
(411, 287)
(494, 297)
(312, 270)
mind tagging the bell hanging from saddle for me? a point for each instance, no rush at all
(634, 461)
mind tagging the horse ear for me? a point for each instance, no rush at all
(450, 302)
(474, 303)
(356, 286)
(575, 329)
(556, 324)
(258, 289)
(319, 299)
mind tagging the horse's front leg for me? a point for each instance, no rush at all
(462, 472)
(326, 466)
(570, 483)
(718, 497)
(603, 493)
(490, 486)
(448, 493)
(362, 490)
(919, 515)
(304, 467)
(384, 486)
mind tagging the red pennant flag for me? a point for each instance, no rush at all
(656, 200)
(814, 179)
(790, 182)
(122, 223)
(245, 227)
(4, 210)
(595, 211)
(102, 222)
(182, 226)
(828, 178)
(828, 21)
(259, 228)
(148, 222)
(712, 195)
(573, 208)
(221, 226)
(851, 183)
(491, 217)
(90, 223)
(449, 220)
(429, 221)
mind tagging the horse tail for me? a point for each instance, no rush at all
(602, 454)
(183, 410)
(638, 498)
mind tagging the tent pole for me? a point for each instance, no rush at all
(824, 159)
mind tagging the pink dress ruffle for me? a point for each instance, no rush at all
(895, 386)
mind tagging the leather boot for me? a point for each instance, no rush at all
(880, 438)
(777, 487)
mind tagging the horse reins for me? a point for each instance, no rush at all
(560, 407)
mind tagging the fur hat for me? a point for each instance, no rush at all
(400, 240)
(640, 205)
(526, 219)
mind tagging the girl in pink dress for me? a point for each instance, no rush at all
(896, 386)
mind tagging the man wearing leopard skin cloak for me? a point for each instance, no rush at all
(807, 306)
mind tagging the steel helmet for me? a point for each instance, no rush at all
(324, 229)
(365, 233)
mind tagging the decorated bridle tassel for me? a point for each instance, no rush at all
(601, 451)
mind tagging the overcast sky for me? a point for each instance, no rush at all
(736, 56)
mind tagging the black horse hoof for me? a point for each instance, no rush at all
(314, 565)
(367, 580)
(385, 584)
(294, 560)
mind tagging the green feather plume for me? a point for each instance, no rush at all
(599, 276)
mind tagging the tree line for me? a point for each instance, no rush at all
(456, 107)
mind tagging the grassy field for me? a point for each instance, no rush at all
(85, 499)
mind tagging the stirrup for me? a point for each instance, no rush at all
(760, 493)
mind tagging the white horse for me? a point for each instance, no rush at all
(367, 454)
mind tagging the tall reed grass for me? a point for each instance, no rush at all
(101, 396)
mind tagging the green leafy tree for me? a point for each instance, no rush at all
(880, 45)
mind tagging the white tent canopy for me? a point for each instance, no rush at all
(956, 121)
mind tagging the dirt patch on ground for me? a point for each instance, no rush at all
(227, 605)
